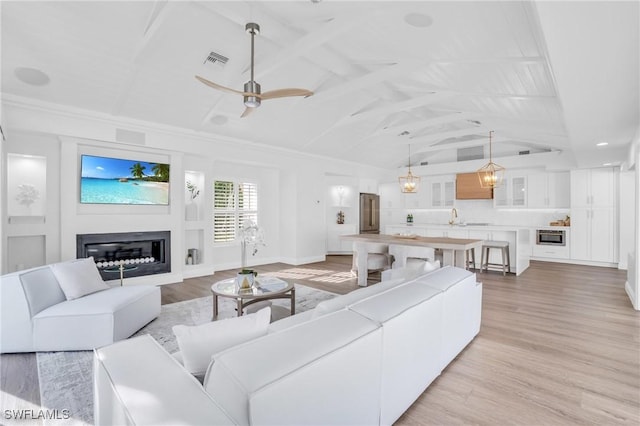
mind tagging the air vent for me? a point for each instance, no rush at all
(129, 136)
(471, 153)
(215, 58)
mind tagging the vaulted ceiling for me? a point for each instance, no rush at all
(438, 76)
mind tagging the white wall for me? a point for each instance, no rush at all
(25, 237)
(292, 186)
(633, 279)
(626, 217)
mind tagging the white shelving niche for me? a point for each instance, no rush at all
(197, 236)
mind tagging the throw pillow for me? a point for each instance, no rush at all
(431, 265)
(78, 277)
(200, 342)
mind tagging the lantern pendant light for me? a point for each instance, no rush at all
(491, 174)
(409, 184)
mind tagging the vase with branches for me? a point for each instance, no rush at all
(193, 190)
(191, 210)
(251, 237)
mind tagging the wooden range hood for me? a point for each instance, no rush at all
(468, 188)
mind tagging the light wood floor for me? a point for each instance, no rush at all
(558, 345)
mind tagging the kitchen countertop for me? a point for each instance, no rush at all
(475, 226)
(488, 227)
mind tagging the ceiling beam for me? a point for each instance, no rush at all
(434, 138)
(394, 107)
(461, 144)
(311, 40)
(383, 74)
(421, 124)
(159, 13)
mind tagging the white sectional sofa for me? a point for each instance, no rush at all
(36, 315)
(362, 359)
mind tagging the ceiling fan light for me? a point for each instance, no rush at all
(252, 101)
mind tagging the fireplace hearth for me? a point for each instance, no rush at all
(139, 253)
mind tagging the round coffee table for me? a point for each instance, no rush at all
(267, 288)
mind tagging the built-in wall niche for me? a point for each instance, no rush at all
(25, 252)
(194, 245)
(193, 195)
(26, 186)
(341, 200)
(341, 195)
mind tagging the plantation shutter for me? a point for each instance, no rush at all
(224, 217)
(247, 203)
(233, 204)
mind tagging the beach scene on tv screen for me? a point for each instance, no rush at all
(119, 181)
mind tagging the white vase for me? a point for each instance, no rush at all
(191, 211)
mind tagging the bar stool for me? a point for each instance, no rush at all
(504, 247)
(470, 258)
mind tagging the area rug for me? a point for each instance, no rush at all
(66, 378)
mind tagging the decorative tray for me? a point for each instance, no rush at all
(406, 236)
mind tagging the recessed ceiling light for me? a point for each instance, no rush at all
(32, 76)
(219, 120)
(418, 20)
(602, 144)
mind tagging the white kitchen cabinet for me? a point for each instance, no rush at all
(548, 190)
(551, 252)
(512, 192)
(390, 196)
(593, 215)
(417, 200)
(443, 191)
(593, 187)
(335, 244)
(592, 234)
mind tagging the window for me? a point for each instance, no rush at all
(233, 204)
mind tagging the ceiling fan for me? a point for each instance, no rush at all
(252, 95)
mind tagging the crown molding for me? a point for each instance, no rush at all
(9, 100)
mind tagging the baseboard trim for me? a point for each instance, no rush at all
(575, 262)
(303, 260)
(632, 296)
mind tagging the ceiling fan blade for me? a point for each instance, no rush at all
(285, 93)
(247, 111)
(223, 88)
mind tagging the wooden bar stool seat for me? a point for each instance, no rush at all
(503, 246)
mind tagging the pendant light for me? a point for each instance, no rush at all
(491, 174)
(409, 184)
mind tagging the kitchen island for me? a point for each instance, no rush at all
(454, 249)
(519, 238)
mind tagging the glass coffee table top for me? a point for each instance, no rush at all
(266, 286)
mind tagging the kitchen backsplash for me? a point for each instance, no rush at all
(475, 211)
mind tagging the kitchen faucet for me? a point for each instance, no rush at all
(454, 215)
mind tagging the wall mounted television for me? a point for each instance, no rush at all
(105, 180)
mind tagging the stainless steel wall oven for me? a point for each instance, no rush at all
(551, 237)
